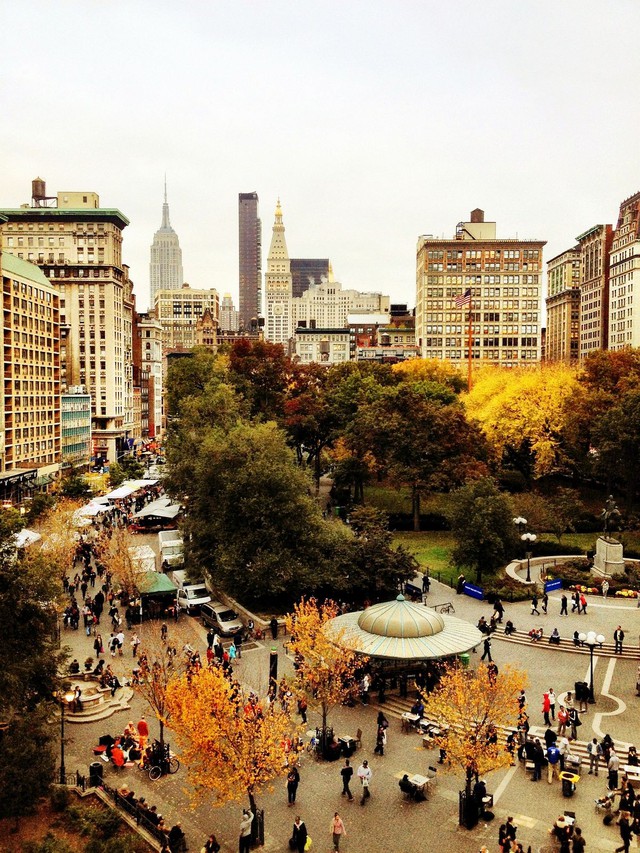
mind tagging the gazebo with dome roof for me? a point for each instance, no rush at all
(400, 632)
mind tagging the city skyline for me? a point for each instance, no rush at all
(373, 129)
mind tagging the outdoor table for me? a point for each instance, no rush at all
(348, 745)
(409, 720)
(633, 773)
(421, 782)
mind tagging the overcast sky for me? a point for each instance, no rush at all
(374, 122)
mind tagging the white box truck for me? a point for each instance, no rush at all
(171, 550)
(189, 594)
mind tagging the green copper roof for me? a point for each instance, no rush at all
(86, 214)
(13, 265)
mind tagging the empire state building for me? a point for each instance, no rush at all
(165, 268)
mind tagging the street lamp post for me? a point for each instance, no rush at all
(64, 699)
(521, 523)
(591, 640)
(529, 539)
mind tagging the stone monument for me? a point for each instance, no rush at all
(608, 560)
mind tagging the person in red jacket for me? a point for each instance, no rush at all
(143, 736)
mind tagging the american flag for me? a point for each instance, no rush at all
(464, 299)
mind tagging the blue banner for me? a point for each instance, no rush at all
(473, 591)
(554, 584)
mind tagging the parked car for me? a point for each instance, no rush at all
(220, 617)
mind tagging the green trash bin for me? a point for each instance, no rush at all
(464, 659)
(337, 511)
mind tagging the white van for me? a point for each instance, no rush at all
(189, 595)
(171, 549)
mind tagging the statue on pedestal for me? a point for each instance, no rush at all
(610, 516)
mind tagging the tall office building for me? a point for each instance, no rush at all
(78, 246)
(165, 268)
(306, 272)
(624, 277)
(250, 258)
(495, 280)
(278, 285)
(179, 313)
(228, 315)
(30, 432)
(563, 307)
(595, 246)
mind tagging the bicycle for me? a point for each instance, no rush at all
(157, 764)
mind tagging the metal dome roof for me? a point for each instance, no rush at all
(400, 618)
(402, 630)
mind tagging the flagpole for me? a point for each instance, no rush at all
(470, 344)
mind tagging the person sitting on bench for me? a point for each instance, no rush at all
(418, 708)
(509, 628)
(554, 637)
(408, 787)
(536, 634)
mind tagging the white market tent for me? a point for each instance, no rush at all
(26, 537)
(120, 492)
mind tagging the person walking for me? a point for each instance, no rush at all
(293, 780)
(605, 588)
(381, 741)
(563, 605)
(245, 831)
(546, 708)
(486, 646)
(364, 775)
(337, 830)
(135, 642)
(583, 603)
(273, 624)
(534, 604)
(346, 773)
(299, 836)
(595, 753)
(578, 841)
(552, 703)
(545, 603)
(618, 638)
(576, 602)
(625, 834)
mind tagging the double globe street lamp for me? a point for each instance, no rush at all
(591, 640)
(528, 539)
(65, 699)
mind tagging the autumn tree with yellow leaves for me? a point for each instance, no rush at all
(325, 670)
(523, 413)
(470, 706)
(60, 537)
(231, 743)
(157, 670)
(117, 559)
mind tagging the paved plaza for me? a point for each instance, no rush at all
(388, 822)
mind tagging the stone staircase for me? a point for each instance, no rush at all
(394, 707)
(522, 638)
(93, 711)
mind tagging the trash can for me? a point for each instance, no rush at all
(568, 783)
(464, 659)
(95, 774)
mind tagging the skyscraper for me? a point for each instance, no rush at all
(498, 281)
(165, 268)
(278, 285)
(250, 258)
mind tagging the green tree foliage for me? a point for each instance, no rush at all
(482, 523)
(421, 436)
(260, 371)
(375, 568)
(128, 468)
(616, 441)
(27, 761)
(74, 485)
(189, 377)
(255, 529)
(28, 666)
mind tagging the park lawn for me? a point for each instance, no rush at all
(587, 541)
(432, 549)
